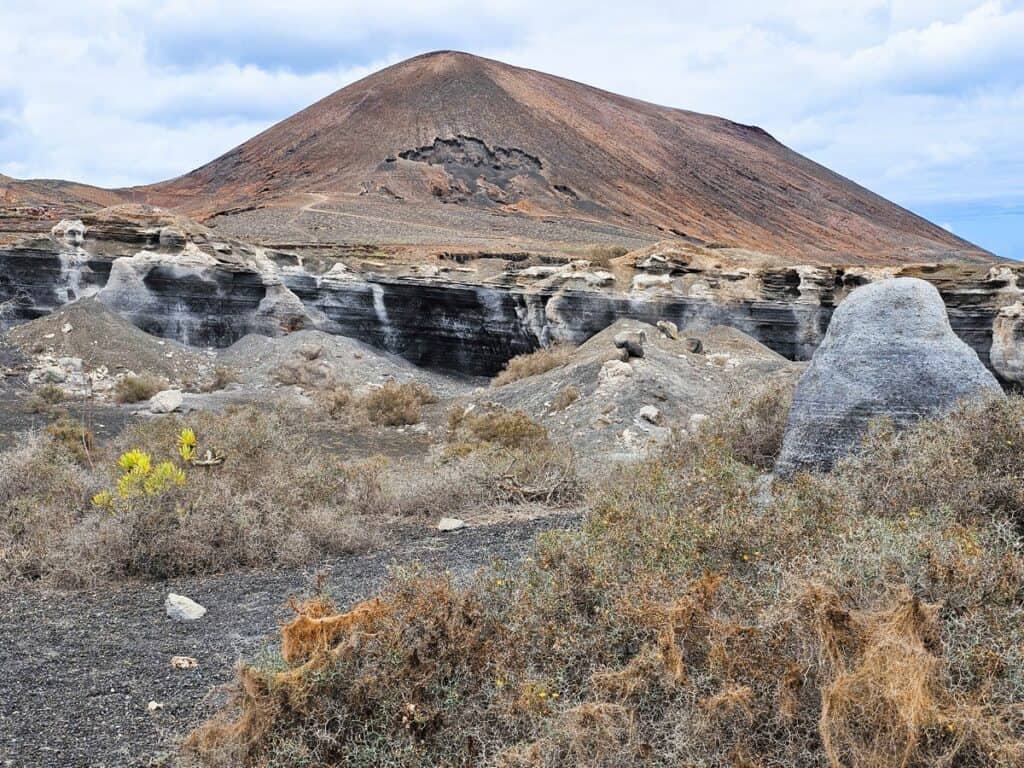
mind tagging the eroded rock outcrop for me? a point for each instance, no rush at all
(889, 351)
(1008, 344)
(177, 279)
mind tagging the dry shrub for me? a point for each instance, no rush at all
(603, 255)
(74, 437)
(476, 476)
(539, 361)
(135, 389)
(971, 463)
(494, 425)
(44, 398)
(753, 423)
(337, 400)
(299, 370)
(42, 492)
(396, 405)
(565, 398)
(690, 620)
(221, 377)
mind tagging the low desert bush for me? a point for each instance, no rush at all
(692, 619)
(43, 491)
(480, 477)
(496, 426)
(298, 370)
(220, 378)
(337, 400)
(565, 398)
(73, 436)
(395, 405)
(43, 399)
(135, 389)
(256, 494)
(752, 423)
(602, 255)
(533, 363)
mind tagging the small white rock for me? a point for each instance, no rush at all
(650, 414)
(447, 524)
(167, 401)
(181, 608)
(66, 328)
(154, 706)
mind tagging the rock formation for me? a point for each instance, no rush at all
(178, 279)
(1008, 344)
(889, 351)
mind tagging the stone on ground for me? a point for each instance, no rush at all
(889, 351)
(181, 608)
(167, 401)
(448, 524)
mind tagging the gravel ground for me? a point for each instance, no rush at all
(78, 669)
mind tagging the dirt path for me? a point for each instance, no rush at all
(78, 669)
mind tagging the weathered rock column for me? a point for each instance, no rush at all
(889, 351)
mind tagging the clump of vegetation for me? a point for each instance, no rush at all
(135, 389)
(221, 377)
(243, 490)
(311, 373)
(395, 405)
(337, 400)
(868, 617)
(74, 437)
(539, 361)
(602, 255)
(496, 426)
(565, 398)
(44, 398)
(752, 425)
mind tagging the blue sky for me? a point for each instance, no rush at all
(920, 101)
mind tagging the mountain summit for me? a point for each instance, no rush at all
(452, 128)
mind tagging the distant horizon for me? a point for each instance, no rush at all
(920, 105)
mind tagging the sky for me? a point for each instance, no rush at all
(921, 101)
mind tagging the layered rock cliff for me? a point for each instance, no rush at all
(176, 279)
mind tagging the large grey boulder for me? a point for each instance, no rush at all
(889, 351)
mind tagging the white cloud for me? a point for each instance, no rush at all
(922, 102)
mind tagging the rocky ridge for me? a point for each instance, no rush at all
(177, 279)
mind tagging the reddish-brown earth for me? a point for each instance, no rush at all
(449, 149)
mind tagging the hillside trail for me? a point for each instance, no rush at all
(78, 669)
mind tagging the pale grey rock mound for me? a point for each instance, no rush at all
(889, 351)
(622, 409)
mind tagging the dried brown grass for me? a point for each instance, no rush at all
(539, 361)
(691, 620)
(135, 389)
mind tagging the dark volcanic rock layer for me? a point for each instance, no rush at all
(180, 283)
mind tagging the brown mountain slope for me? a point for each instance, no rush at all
(484, 136)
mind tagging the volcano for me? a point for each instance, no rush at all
(448, 149)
